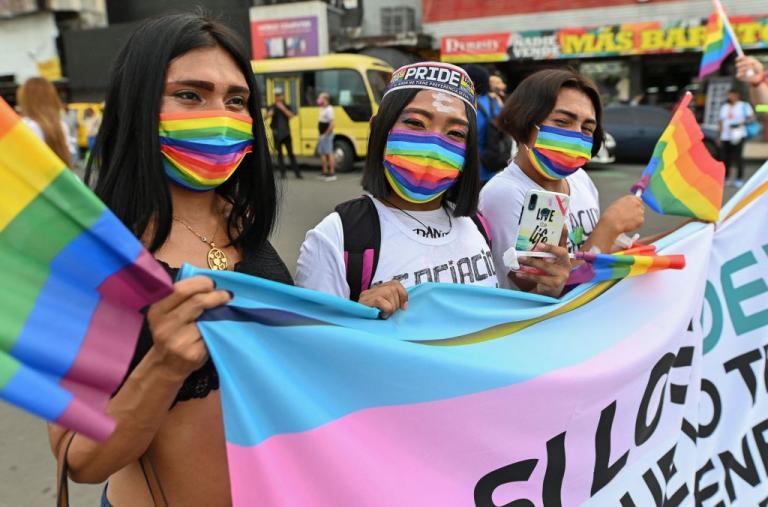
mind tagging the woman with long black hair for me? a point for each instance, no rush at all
(418, 222)
(182, 160)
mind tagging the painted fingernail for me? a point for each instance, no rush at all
(231, 294)
(214, 282)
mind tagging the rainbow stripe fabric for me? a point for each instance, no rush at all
(558, 152)
(602, 267)
(420, 166)
(74, 279)
(718, 44)
(682, 178)
(201, 149)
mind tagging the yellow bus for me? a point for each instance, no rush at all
(354, 82)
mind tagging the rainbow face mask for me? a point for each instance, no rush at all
(558, 152)
(420, 166)
(201, 149)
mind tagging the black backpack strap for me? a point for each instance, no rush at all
(483, 227)
(362, 242)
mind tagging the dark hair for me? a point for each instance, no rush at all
(131, 179)
(480, 77)
(464, 192)
(535, 97)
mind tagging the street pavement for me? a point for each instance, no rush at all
(27, 469)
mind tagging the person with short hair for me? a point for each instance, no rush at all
(734, 116)
(184, 163)
(421, 178)
(561, 105)
(325, 124)
(281, 115)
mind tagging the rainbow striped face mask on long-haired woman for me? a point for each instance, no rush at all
(420, 166)
(558, 153)
(201, 149)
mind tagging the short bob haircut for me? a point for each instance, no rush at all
(534, 99)
(464, 192)
(131, 178)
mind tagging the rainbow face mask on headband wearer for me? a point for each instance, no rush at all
(202, 149)
(558, 153)
(421, 166)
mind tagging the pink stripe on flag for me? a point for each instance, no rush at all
(110, 341)
(82, 418)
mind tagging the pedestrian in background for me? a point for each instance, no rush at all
(42, 110)
(494, 146)
(734, 116)
(281, 114)
(498, 88)
(325, 125)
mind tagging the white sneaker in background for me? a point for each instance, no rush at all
(322, 176)
(738, 183)
(331, 177)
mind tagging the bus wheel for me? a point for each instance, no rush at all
(344, 154)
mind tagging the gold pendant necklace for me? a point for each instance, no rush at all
(217, 259)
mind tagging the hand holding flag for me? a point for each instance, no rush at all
(682, 178)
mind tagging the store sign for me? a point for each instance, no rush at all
(288, 37)
(616, 40)
(490, 47)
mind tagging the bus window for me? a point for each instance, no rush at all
(378, 81)
(345, 86)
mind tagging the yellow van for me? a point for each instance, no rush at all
(354, 82)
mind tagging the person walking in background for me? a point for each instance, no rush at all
(325, 124)
(494, 146)
(42, 110)
(498, 88)
(281, 114)
(734, 116)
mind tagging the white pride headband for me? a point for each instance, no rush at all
(438, 76)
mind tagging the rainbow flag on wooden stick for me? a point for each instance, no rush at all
(73, 283)
(602, 267)
(718, 43)
(682, 178)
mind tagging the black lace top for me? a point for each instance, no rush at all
(264, 263)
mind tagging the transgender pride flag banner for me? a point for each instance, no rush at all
(621, 393)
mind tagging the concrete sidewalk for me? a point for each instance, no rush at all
(756, 151)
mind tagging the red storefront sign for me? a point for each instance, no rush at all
(489, 47)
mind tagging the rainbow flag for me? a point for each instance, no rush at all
(74, 280)
(718, 44)
(602, 267)
(682, 178)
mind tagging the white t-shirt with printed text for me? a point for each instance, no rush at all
(734, 117)
(439, 249)
(501, 203)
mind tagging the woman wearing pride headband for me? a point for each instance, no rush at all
(418, 223)
(182, 160)
(555, 117)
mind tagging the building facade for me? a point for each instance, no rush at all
(646, 50)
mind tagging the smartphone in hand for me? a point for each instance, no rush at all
(541, 219)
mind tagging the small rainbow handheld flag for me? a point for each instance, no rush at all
(73, 283)
(682, 178)
(718, 43)
(602, 267)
